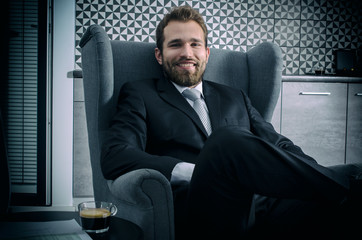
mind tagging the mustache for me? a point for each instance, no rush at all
(195, 61)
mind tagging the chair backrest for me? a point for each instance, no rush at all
(108, 64)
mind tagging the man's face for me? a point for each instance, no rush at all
(184, 55)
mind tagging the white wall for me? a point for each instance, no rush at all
(62, 138)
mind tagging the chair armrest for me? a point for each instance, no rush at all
(138, 186)
(144, 197)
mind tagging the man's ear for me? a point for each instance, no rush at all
(207, 54)
(158, 55)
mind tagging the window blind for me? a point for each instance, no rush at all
(22, 96)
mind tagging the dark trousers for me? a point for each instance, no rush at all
(243, 186)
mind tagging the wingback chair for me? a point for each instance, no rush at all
(144, 196)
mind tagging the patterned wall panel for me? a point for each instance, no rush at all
(306, 30)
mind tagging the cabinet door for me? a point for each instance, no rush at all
(354, 124)
(314, 118)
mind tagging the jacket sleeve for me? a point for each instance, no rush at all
(124, 146)
(266, 131)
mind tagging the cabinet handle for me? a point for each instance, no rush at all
(315, 93)
(358, 94)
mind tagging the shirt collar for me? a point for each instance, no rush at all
(182, 88)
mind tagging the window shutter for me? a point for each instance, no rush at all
(24, 101)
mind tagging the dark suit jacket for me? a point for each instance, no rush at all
(155, 127)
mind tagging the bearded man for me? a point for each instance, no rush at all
(213, 145)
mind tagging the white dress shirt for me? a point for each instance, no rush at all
(182, 172)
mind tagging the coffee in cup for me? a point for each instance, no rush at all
(95, 215)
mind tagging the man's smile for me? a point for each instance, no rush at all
(186, 65)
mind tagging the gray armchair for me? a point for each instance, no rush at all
(144, 196)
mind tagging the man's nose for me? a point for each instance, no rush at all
(186, 51)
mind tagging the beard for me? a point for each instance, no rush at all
(183, 77)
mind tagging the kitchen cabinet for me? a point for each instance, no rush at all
(314, 118)
(354, 124)
(322, 115)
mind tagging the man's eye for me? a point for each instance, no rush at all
(196, 44)
(175, 45)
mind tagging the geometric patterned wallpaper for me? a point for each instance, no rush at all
(306, 30)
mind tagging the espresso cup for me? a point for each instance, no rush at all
(95, 215)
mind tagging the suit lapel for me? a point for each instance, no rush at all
(212, 99)
(169, 93)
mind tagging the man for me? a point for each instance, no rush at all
(215, 169)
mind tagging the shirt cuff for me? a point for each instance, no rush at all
(182, 172)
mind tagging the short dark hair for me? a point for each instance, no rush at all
(183, 14)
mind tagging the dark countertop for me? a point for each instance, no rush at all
(321, 78)
(76, 73)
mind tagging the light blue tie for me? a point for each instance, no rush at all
(200, 107)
